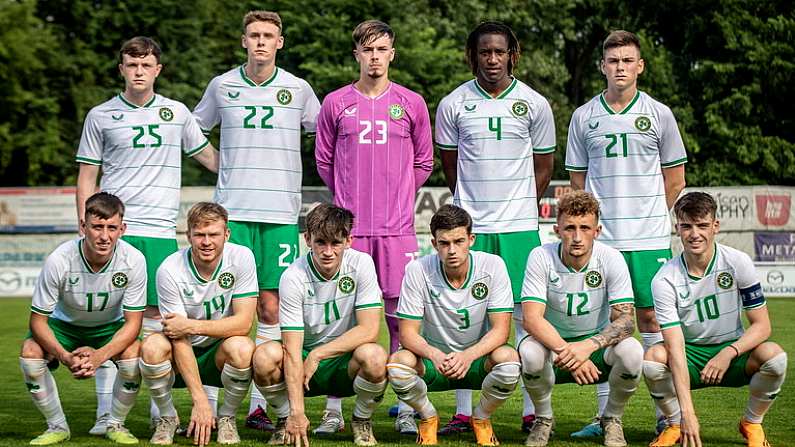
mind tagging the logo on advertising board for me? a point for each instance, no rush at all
(10, 281)
(773, 210)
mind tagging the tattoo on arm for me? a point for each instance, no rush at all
(621, 326)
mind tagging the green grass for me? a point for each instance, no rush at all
(719, 409)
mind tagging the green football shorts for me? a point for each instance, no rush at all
(643, 265)
(275, 247)
(155, 250)
(513, 248)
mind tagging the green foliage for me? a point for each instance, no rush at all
(724, 67)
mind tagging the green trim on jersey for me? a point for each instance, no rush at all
(317, 273)
(622, 112)
(446, 146)
(408, 317)
(88, 161)
(245, 295)
(40, 311)
(533, 298)
(621, 301)
(134, 106)
(502, 95)
(85, 261)
(196, 272)
(575, 168)
(498, 310)
(670, 325)
(469, 274)
(710, 266)
(367, 306)
(254, 84)
(544, 150)
(673, 163)
(292, 328)
(133, 308)
(201, 147)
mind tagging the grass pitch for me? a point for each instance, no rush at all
(719, 409)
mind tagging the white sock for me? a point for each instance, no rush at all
(537, 375)
(463, 402)
(764, 387)
(43, 391)
(660, 383)
(335, 403)
(626, 361)
(160, 378)
(104, 378)
(368, 396)
(497, 387)
(265, 333)
(277, 396)
(154, 412)
(212, 397)
(410, 388)
(125, 390)
(256, 400)
(650, 339)
(528, 409)
(236, 382)
(602, 392)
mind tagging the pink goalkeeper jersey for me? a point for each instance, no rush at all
(374, 154)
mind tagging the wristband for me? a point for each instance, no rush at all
(735, 350)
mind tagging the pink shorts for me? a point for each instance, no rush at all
(391, 254)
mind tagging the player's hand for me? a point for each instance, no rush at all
(438, 358)
(311, 363)
(690, 429)
(91, 359)
(296, 428)
(457, 364)
(73, 362)
(176, 326)
(586, 374)
(202, 422)
(716, 367)
(570, 357)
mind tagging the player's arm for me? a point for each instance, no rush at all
(577, 179)
(325, 143)
(622, 325)
(208, 157)
(120, 341)
(411, 339)
(423, 145)
(674, 342)
(86, 187)
(365, 331)
(457, 363)
(239, 323)
(201, 420)
(541, 330)
(450, 167)
(297, 422)
(43, 335)
(674, 180)
(543, 165)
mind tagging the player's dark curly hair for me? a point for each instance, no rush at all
(492, 28)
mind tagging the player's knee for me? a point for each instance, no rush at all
(657, 354)
(504, 354)
(33, 368)
(129, 369)
(31, 350)
(237, 351)
(372, 360)
(629, 352)
(401, 377)
(132, 351)
(156, 348)
(533, 355)
(267, 359)
(404, 357)
(655, 371)
(507, 373)
(772, 359)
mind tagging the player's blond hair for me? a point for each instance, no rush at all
(262, 16)
(620, 38)
(203, 213)
(578, 203)
(329, 222)
(370, 30)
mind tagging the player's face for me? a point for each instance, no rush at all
(622, 66)
(577, 234)
(327, 254)
(261, 41)
(139, 73)
(697, 233)
(102, 234)
(207, 241)
(453, 246)
(374, 57)
(493, 58)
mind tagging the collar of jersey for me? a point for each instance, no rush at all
(359, 92)
(622, 112)
(469, 274)
(502, 95)
(710, 266)
(85, 261)
(196, 271)
(134, 106)
(560, 256)
(317, 273)
(254, 84)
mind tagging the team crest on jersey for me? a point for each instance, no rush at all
(284, 97)
(642, 123)
(117, 118)
(346, 284)
(593, 279)
(166, 114)
(519, 108)
(480, 290)
(725, 280)
(396, 111)
(119, 280)
(226, 280)
(471, 108)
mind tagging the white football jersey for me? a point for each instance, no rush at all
(139, 149)
(181, 290)
(577, 302)
(69, 290)
(496, 139)
(259, 179)
(623, 155)
(324, 309)
(707, 308)
(455, 319)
